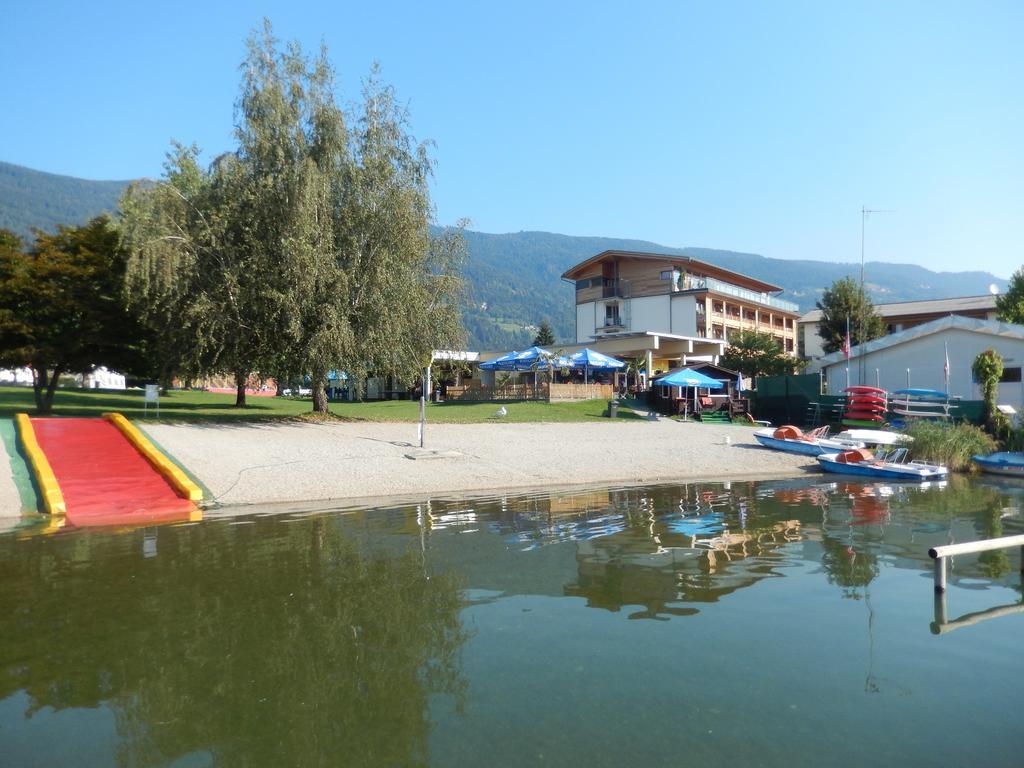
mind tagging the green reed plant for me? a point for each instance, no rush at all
(949, 444)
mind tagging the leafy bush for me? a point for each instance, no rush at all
(952, 445)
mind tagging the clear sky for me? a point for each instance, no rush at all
(761, 126)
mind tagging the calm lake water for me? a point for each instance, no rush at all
(748, 623)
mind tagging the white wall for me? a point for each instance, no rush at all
(585, 321)
(924, 357)
(650, 313)
(812, 341)
(684, 316)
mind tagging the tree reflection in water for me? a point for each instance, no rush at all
(257, 644)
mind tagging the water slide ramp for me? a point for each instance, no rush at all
(106, 472)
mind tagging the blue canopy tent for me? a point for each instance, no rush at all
(591, 360)
(687, 377)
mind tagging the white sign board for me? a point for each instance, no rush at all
(152, 393)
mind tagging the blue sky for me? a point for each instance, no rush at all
(759, 127)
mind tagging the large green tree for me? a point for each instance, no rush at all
(844, 305)
(754, 353)
(1010, 305)
(62, 307)
(307, 248)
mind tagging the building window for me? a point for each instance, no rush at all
(611, 315)
(1010, 376)
(717, 307)
(589, 282)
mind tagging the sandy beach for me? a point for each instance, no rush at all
(291, 462)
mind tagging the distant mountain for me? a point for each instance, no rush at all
(31, 198)
(514, 279)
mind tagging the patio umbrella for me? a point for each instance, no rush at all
(592, 360)
(687, 377)
(531, 359)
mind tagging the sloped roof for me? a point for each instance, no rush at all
(928, 306)
(712, 269)
(950, 322)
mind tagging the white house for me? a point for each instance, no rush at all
(917, 358)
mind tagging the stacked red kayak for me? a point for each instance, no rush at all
(865, 406)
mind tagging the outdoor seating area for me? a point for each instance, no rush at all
(539, 374)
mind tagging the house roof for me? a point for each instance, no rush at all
(711, 269)
(950, 322)
(926, 307)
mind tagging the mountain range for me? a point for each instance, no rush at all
(514, 280)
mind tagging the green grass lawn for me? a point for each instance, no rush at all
(190, 406)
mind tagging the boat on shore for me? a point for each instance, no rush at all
(875, 437)
(792, 440)
(1001, 463)
(891, 466)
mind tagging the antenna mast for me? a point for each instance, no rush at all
(861, 362)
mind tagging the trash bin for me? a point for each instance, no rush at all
(613, 409)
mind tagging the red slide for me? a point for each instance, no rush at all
(104, 479)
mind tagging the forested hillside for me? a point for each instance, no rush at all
(31, 198)
(514, 279)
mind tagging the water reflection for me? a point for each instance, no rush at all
(325, 637)
(256, 644)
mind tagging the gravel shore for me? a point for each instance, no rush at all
(291, 462)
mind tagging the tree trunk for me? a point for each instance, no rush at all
(241, 379)
(39, 382)
(44, 387)
(319, 384)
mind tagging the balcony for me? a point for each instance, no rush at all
(711, 284)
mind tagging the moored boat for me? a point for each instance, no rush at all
(892, 466)
(1001, 463)
(792, 440)
(875, 437)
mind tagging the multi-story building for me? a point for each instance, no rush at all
(899, 317)
(620, 293)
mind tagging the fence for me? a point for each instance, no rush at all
(543, 391)
(798, 400)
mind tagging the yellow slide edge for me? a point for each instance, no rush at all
(53, 498)
(171, 471)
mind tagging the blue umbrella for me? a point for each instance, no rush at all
(590, 359)
(532, 359)
(687, 377)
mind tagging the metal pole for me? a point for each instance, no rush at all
(423, 402)
(940, 574)
(860, 330)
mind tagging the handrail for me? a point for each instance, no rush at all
(939, 554)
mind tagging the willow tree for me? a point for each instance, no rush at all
(193, 275)
(306, 249)
(404, 286)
